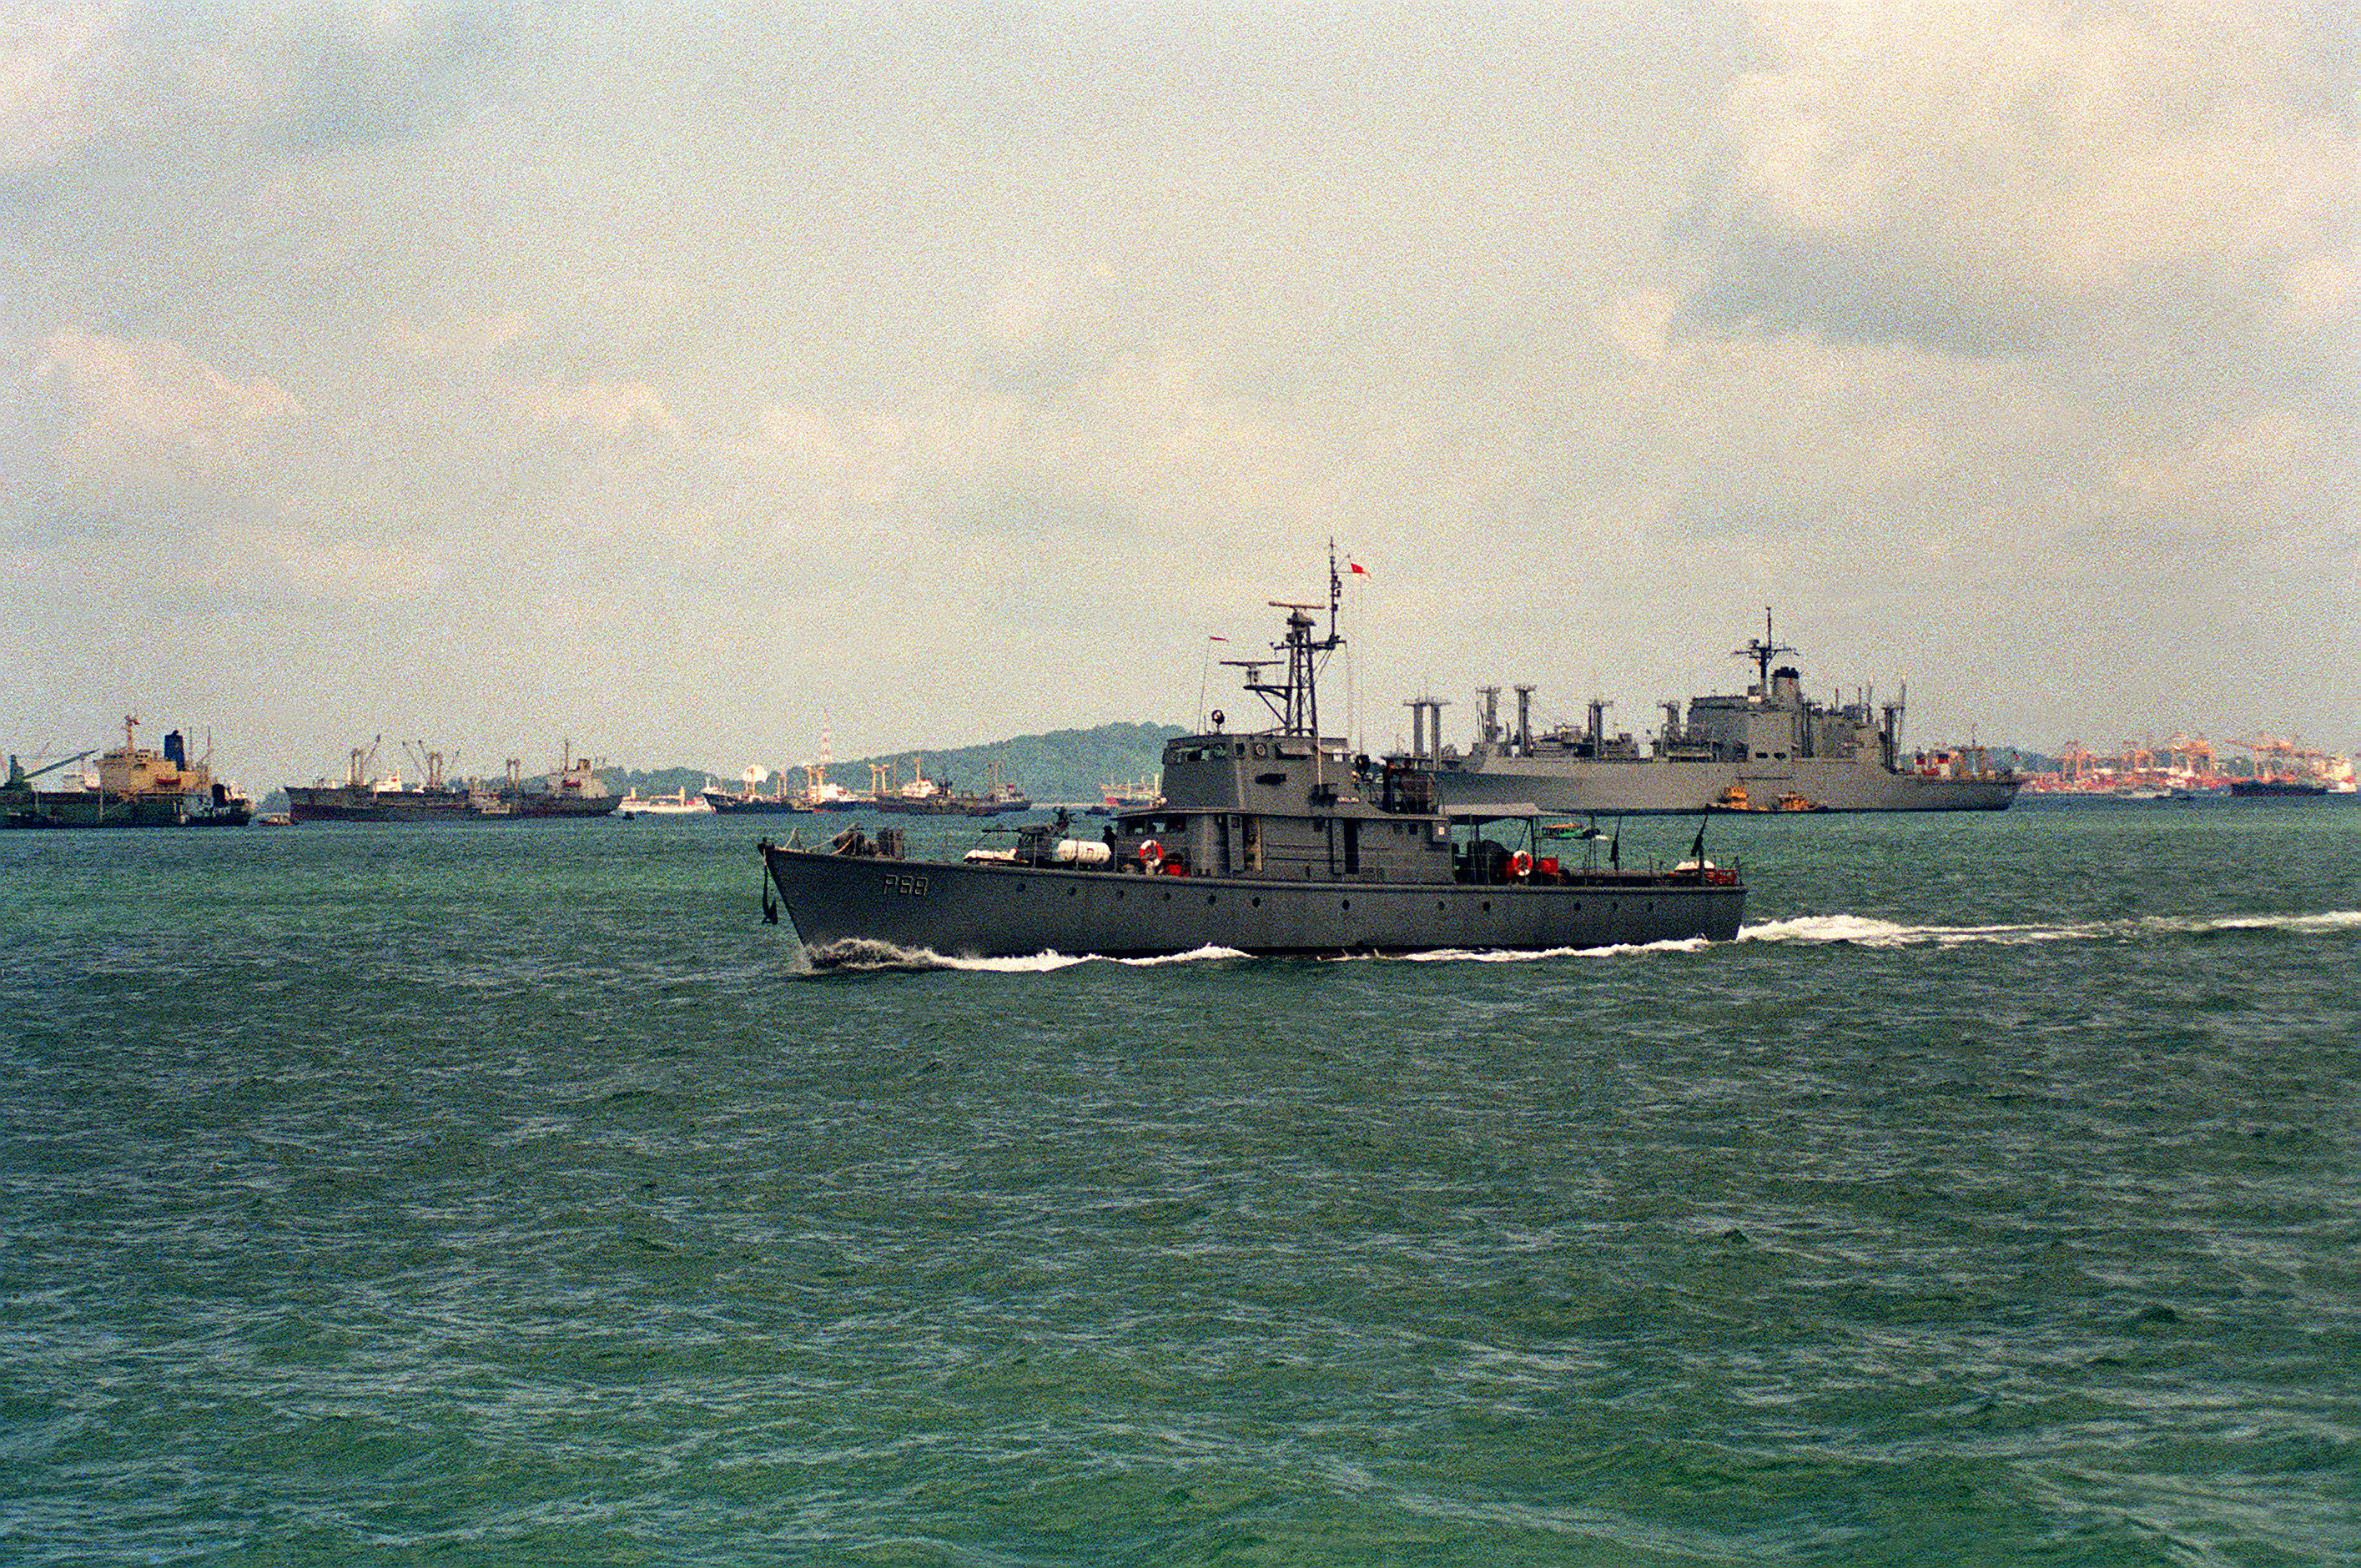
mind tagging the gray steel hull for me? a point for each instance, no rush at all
(342, 803)
(1639, 786)
(108, 808)
(1003, 911)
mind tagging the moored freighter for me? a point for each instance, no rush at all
(1771, 749)
(363, 797)
(135, 788)
(574, 790)
(751, 801)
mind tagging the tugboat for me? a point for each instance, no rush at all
(1278, 841)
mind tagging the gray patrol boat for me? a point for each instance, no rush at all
(1772, 749)
(1279, 842)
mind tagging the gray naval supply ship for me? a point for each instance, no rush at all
(1772, 749)
(1279, 842)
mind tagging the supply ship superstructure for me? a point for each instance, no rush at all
(1768, 748)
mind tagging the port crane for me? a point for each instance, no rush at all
(2289, 754)
(431, 764)
(21, 779)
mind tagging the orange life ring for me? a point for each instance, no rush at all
(1520, 865)
(1150, 851)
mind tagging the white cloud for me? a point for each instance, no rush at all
(155, 407)
(292, 563)
(2228, 470)
(596, 410)
(470, 337)
(1994, 162)
(651, 335)
(44, 53)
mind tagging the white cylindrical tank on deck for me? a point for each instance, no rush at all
(1081, 852)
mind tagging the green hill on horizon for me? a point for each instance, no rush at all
(1061, 765)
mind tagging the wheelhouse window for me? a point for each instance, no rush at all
(1133, 827)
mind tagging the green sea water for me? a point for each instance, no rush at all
(506, 1192)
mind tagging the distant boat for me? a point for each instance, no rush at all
(680, 803)
(751, 801)
(826, 796)
(2277, 788)
(923, 797)
(1140, 794)
(1772, 742)
(1001, 800)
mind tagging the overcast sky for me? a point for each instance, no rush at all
(684, 380)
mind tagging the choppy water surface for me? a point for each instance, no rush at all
(505, 1192)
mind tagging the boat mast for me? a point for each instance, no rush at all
(1762, 650)
(1295, 701)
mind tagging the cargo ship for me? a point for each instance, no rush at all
(574, 789)
(2292, 771)
(2277, 788)
(680, 803)
(365, 799)
(135, 788)
(752, 802)
(1771, 749)
(923, 797)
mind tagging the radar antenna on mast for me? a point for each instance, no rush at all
(1762, 650)
(1294, 700)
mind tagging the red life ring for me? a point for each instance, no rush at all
(1520, 865)
(1150, 851)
